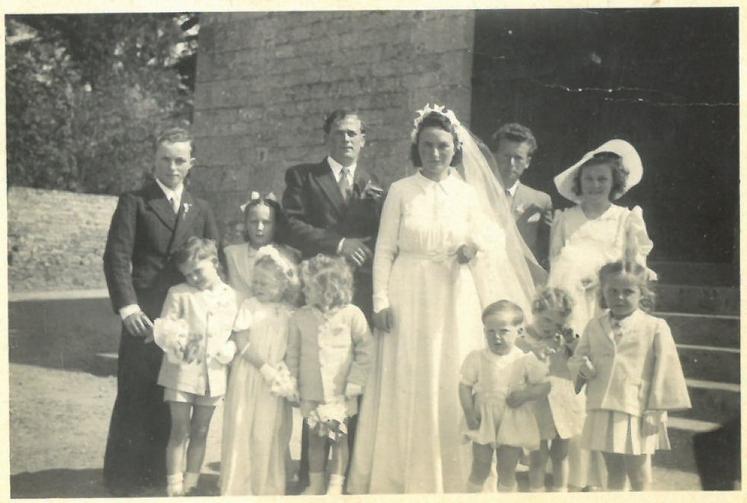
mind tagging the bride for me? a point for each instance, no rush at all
(447, 245)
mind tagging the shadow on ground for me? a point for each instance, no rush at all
(58, 483)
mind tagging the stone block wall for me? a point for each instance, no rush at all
(56, 239)
(265, 82)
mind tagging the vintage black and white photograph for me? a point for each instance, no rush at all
(373, 252)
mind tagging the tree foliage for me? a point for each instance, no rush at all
(87, 93)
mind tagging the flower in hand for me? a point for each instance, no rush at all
(465, 253)
(269, 373)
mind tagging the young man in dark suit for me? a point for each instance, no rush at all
(147, 227)
(513, 146)
(333, 207)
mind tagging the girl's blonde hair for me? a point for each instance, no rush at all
(284, 270)
(552, 299)
(635, 270)
(331, 278)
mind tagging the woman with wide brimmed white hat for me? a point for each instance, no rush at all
(587, 236)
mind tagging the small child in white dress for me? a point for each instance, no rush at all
(633, 374)
(257, 417)
(330, 354)
(560, 415)
(194, 331)
(497, 388)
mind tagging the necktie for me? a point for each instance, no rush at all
(174, 204)
(346, 188)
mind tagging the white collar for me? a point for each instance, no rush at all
(172, 193)
(512, 189)
(442, 184)
(337, 168)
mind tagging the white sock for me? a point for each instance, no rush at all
(316, 483)
(175, 484)
(336, 482)
(190, 480)
(473, 487)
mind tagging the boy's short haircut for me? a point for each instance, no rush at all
(504, 306)
(175, 135)
(195, 250)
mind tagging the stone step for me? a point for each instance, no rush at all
(703, 329)
(710, 364)
(711, 401)
(688, 273)
(697, 299)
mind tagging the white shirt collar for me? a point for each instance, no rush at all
(512, 189)
(172, 193)
(337, 168)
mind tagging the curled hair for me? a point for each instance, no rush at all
(330, 278)
(634, 270)
(552, 299)
(440, 121)
(340, 114)
(513, 132)
(619, 174)
(278, 216)
(504, 307)
(175, 135)
(290, 286)
(196, 250)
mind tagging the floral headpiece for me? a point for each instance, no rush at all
(441, 110)
(256, 196)
(285, 265)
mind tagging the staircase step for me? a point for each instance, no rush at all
(697, 299)
(688, 273)
(711, 401)
(703, 329)
(710, 364)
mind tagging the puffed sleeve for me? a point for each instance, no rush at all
(470, 369)
(636, 236)
(557, 235)
(362, 348)
(293, 351)
(668, 387)
(386, 247)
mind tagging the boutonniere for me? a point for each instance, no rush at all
(372, 191)
(186, 207)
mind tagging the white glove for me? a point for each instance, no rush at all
(352, 390)
(226, 353)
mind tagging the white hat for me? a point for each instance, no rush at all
(630, 160)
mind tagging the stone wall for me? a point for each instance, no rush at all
(265, 82)
(56, 239)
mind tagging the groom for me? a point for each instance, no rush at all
(333, 207)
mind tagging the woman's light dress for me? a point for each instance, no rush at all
(408, 438)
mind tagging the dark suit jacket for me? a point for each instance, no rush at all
(318, 217)
(143, 234)
(535, 232)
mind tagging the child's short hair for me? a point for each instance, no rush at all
(507, 307)
(331, 277)
(195, 250)
(286, 272)
(638, 272)
(175, 135)
(552, 299)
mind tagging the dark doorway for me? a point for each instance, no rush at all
(664, 79)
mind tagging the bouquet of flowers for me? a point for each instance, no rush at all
(372, 191)
(284, 385)
(174, 337)
(328, 419)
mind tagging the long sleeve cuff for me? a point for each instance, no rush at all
(339, 246)
(128, 310)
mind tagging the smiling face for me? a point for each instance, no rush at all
(596, 182)
(345, 140)
(259, 223)
(513, 159)
(622, 294)
(436, 150)
(172, 163)
(501, 331)
(200, 274)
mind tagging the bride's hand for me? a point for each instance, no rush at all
(465, 253)
(384, 319)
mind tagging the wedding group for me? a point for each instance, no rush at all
(433, 335)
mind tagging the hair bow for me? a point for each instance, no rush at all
(256, 196)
